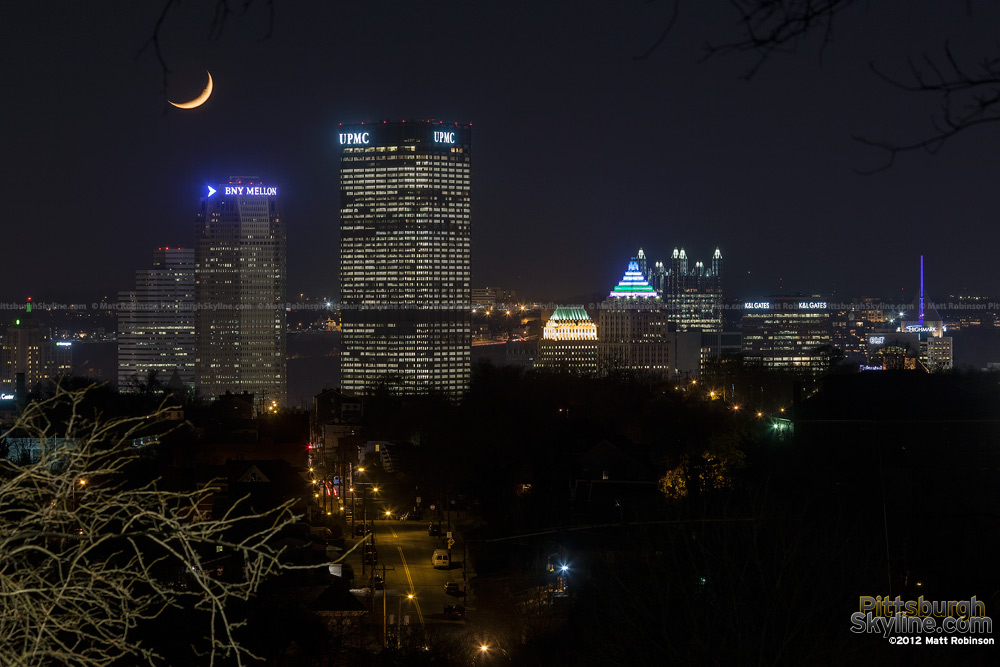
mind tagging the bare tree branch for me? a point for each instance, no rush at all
(664, 34)
(968, 96)
(221, 11)
(91, 557)
(967, 99)
(774, 26)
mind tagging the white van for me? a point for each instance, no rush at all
(440, 560)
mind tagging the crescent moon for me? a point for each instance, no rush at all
(198, 101)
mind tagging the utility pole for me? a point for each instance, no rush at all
(385, 636)
(364, 532)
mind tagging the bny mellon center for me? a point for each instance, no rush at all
(405, 256)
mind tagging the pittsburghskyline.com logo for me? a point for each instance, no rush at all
(923, 621)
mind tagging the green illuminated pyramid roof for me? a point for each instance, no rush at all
(570, 313)
(633, 283)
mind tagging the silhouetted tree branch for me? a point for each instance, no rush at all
(968, 96)
(221, 12)
(92, 558)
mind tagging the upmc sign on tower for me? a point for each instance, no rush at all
(382, 134)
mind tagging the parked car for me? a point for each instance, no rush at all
(359, 529)
(377, 582)
(434, 529)
(371, 555)
(455, 612)
(451, 588)
(440, 560)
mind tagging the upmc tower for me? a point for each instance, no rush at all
(405, 256)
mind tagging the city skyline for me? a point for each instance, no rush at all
(677, 154)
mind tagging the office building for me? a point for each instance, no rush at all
(239, 277)
(632, 329)
(569, 342)
(852, 325)
(156, 323)
(692, 294)
(27, 351)
(486, 297)
(789, 333)
(405, 256)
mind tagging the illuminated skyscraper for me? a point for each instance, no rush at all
(569, 342)
(405, 256)
(691, 295)
(240, 292)
(26, 351)
(936, 349)
(632, 328)
(156, 322)
(788, 333)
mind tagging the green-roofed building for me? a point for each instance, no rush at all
(569, 342)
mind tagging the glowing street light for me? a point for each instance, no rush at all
(399, 615)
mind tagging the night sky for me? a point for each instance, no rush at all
(581, 155)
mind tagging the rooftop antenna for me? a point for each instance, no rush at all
(920, 315)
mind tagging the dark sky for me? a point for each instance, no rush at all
(582, 154)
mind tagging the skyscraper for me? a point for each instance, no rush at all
(632, 329)
(156, 322)
(240, 292)
(27, 350)
(788, 333)
(936, 349)
(692, 295)
(569, 342)
(405, 256)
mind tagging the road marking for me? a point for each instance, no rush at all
(393, 533)
(416, 602)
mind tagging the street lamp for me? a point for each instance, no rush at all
(484, 649)
(399, 616)
(82, 483)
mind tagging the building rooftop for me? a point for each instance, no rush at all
(633, 284)
(571, 313)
